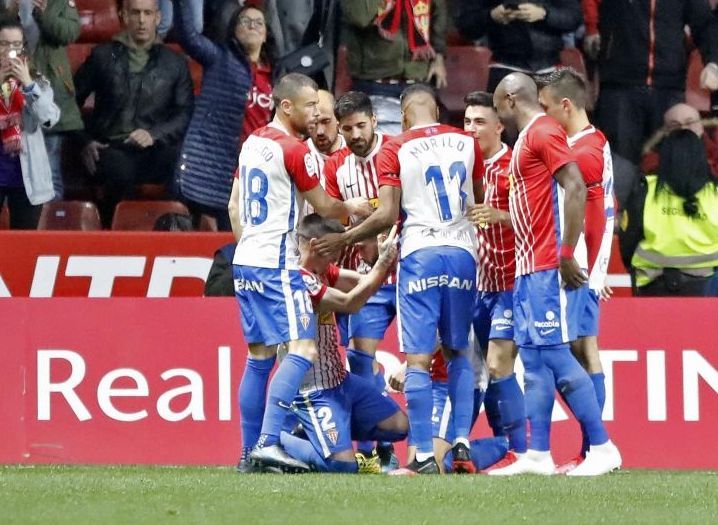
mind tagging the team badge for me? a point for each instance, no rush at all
(305, 320)
(333, 436)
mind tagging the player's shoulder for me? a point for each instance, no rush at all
(288, 143)
(338, 157)
(501, 158)
(545, 124)
(312, 281)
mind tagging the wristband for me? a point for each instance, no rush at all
(566, 251)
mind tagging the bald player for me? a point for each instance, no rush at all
(546, 203)
(324, 138)
(430, 173)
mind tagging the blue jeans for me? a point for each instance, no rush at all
(53, 144)
(167, 10)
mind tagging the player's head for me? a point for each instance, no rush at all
(482, 121)
(563, 95)
(357, 121)
(325, 132)
(297, 102)
(419, 105)
(683, 116)
(311, 228)
(515, 93)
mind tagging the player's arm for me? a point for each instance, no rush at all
(574, 203)
(482, 214)
(347, 280)
(332, 208)
(233, 208)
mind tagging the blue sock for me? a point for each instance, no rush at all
(484, 452)
(342, 467)
(479, 396)
(578, 391)
(512, 411)
(461, 394)
(539, 397)
(599, 385)
(303, 450)
(362, 364)
(491, 404)
(253, 397)
(282, 390)
(417, 389)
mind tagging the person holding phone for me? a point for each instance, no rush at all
(26, 109)
(523, 36)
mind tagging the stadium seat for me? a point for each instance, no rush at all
(343, 79)
(207, 223)
(77, 54)
(573, 58)
(467, 68)
(70, 215)
(696, 96)
(141, 215)
(100, 20)
(151, 192)
(4, 218)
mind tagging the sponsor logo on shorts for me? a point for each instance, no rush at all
(424, 284)
(250, 286)
(549, 325)
(447, 234)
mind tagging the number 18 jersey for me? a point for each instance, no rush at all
(436, 167)
(274, 169)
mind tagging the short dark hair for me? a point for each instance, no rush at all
(415, 89)
(479, 98)
(173, 222)
(565, 82)
(12, 23)
(353, 102)
(289, 85)
(314, 226)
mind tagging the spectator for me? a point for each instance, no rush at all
(236, 99)
(388, 51)
(143, 103)
(642, 63)
(682, 116)
(669, 230)
(26, 108)
(522, 36)
(167, 16)
(173, 222)
(220, 282)
(59, 25)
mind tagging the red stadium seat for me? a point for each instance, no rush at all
(343, 79)
(151, 192)
(70, 215)
(573, 58)
(467, 69)
(100, 20)
(77, 54)
(207, 223)
(4, 218)
(195, 70)
(696, 96)
(141, 215)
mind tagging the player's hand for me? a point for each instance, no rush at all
(397, 379)
(571, 273)
(487, 215)
(91, 155)
(387, 248)
(605, 293)
(709, 77)
(359, 207)
(530, 13)
(330, 244)
(140, 138)
(437, 72)
(592, 45)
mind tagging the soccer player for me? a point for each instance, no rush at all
(335, 406)
(352, 173)
(563, 97)
(493, 319)
(324, 138)
(276, 173)
(431, 173)
(547, 202)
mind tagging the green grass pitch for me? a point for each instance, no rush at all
(165, 495)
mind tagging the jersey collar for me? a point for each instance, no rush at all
(502, 151)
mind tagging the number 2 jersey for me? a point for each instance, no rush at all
(274, 169)
(436, 167)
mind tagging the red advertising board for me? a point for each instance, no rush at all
(133, 380)
(130, 264)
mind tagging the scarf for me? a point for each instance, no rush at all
(12, 103)
(418, 12)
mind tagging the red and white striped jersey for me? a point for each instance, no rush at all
(328, 370)
(536, 199)
(320, 159)
(593, 155)
(436, 167)
(349, 176)
(497, 258)
(274, 169)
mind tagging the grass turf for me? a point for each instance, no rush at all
(158, 495)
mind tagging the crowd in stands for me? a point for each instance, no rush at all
(105, 101)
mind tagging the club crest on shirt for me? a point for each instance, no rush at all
(333, 436)
(304, 319)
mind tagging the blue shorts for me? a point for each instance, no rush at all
(442, 420)
(545, 313)
(274, 305)
(494, 316)
(343, 328)
(588, 323)
(375, 316)
(436, 292)
(335, 417)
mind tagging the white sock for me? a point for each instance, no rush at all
(423, 456)
(463, 441)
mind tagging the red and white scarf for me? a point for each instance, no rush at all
(419, 14)
(12, 103)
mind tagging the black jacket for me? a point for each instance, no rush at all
(528, 46)
(164, 105)
(643, 41)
